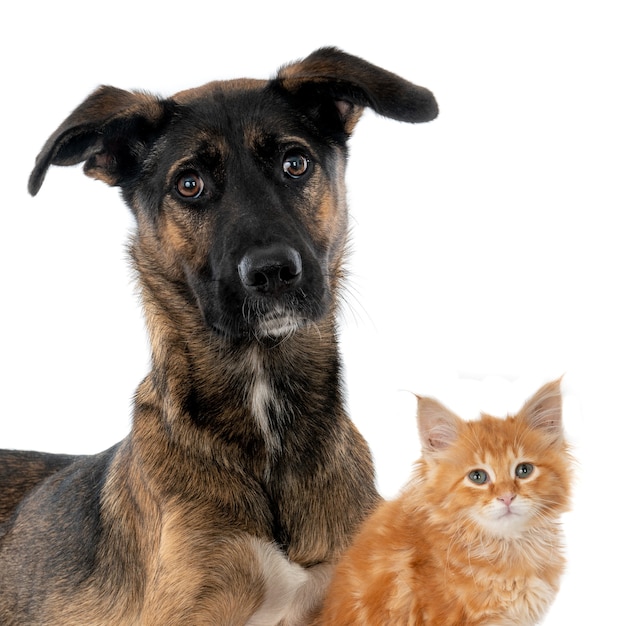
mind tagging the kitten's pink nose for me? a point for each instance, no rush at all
(507, 498)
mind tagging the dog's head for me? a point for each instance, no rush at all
(237, 186)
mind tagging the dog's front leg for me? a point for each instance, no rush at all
(310, 596)
(292, 594)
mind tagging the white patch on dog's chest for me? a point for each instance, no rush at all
(263, 402)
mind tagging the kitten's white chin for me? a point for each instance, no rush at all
(506, 526)
(504, 522)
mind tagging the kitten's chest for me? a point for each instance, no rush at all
(514, 600)
(525, 599)
(506, 582)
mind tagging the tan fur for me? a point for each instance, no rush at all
(436, 556)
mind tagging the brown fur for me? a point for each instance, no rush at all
(447, 552)
(242, 479)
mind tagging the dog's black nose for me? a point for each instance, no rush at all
(271, 269)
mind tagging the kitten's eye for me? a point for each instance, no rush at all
(189, 184)
(478, 477)
(524, 470)
(295, 164)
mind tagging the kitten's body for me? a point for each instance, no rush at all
(453, 550)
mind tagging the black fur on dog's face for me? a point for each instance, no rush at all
(246, 195)
(237, 186)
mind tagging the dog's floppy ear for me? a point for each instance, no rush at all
(352, 84)
(109, 131)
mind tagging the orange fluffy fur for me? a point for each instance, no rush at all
(454, 549)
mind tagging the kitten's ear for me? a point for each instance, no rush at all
(438, 426)
(544, 410)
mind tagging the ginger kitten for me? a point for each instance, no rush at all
(474, 537)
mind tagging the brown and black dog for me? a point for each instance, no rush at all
(242, 479)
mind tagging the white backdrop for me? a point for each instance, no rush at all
(488, 246)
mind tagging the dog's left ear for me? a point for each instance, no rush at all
(109, 131)
(349, 84)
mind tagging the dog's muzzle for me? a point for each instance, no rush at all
(272, 277)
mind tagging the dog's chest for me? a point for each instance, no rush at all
(266, 407)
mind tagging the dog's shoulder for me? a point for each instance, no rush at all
(72, 484)
(21, 471)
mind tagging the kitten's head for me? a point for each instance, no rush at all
(505, 475)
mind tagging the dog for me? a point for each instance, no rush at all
(242, 479)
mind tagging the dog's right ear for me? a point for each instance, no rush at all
(334, 87)
(109, 131)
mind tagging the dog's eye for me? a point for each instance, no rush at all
(295, 164)
(189, 184)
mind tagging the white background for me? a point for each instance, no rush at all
(488, 246)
